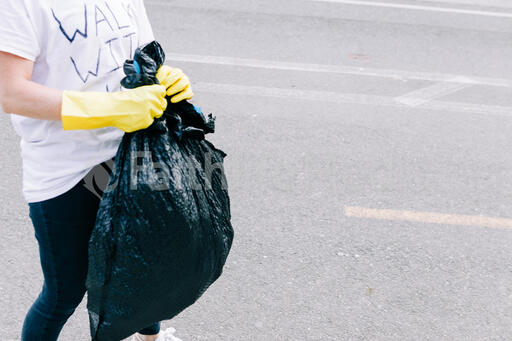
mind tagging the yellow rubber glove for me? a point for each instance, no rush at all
(176, 83)
(129, 110)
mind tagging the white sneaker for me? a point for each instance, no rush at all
(168, 335)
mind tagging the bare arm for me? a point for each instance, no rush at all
(19, 95)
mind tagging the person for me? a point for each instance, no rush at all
(60, 72)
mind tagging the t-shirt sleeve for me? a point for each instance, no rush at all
(144, 26)
(17, 33)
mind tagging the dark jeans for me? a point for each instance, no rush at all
(63, 227)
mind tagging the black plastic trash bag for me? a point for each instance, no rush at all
(163, 230)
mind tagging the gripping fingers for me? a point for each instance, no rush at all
(176, 83)
(179, 86)
(168, 76)
(185, 94)
(159, 102)
(161, 108)
(163, 103)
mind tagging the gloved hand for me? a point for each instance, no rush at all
(129, 110)
(176, 83)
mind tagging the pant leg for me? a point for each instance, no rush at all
(62, 228)
(151, 330)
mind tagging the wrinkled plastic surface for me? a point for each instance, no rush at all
(163, 230)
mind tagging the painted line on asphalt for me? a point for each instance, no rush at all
(427, 217)
(479, 3)
(346, 98)
(420, 8)
(425, 95)
(339, 69)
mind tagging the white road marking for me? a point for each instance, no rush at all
(424, 95)
(421, 8)
(340, 69)
(347, 98)
(428, 217)
(481, 3)
(308, 95)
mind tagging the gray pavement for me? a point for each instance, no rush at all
(323, 105)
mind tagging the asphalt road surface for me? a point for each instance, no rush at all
(369, 167)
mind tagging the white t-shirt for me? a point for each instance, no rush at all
(75, 45)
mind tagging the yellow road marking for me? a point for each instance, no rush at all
(428, 217)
